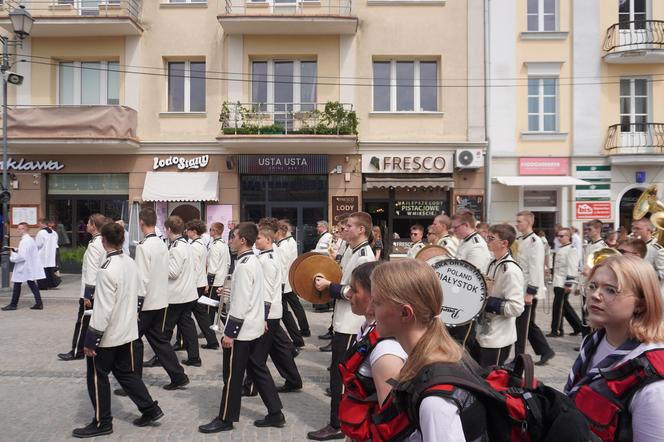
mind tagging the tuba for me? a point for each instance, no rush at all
(657, 220)
(648, 203)
(600, 255)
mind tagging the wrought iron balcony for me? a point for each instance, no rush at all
(639, 41)
(635, 139)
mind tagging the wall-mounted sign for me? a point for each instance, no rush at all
(181, 163)
(540, 198)
(415, 208)
(343, 204)
(593, 173)
(412, 162)
(543, 166)
(474, 203)
(593, 210)
(24, 214)
(593, 192)
(23, 164)
(282, 164)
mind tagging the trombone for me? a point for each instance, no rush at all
(224, 299)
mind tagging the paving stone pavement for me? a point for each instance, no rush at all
(43, 398)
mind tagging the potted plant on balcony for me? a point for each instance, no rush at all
(71, 259)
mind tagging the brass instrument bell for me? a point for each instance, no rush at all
(600, 255)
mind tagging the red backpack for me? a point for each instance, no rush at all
(507, 404)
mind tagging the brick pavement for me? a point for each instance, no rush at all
(43, 398)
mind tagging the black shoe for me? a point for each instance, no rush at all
(545, 358)
(69, 356)
(119, 392)
(327, 433)
(149, 418)
(200, 335)
(154, 362)
(177, 385)
(272, 420)
(248, 392)
(298, 344)
(328, 392)
(577, 348)
(92, 430)
(8, 308)
(193, 362)
(288, 389)
(178, 347)
(216, 426)
(296, 352)
(555, 335)
(305, 333)
(326, 336)
(576, 333)
(327, 347)
(210, 347)
(37, 307)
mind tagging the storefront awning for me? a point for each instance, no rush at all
(540, 181)
(408, 183)
(181, 186)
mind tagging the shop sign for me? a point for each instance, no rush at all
(181, 163)
(282, 164)
(543, 166)
(473, 203)
(22, 164)
(343, 204)
(593, 210)
(593, 192)
(593, 173)
(428, 209)
(413, 162)
(540, 198)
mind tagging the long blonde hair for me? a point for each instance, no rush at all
(414, 283)
(638, 276)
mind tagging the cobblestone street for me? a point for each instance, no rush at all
(43, 398)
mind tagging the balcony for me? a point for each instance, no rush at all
(288, 127)
(79, 18)
(635, 143)
(633, 42)
(72, 129)
(288, 17)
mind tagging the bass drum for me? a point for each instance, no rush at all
(464, 291)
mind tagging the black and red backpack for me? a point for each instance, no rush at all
(500, 404)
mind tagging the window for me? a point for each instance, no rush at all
(186, 86)
(405, 86)
(633, 104)
(187, 1)
(632, 14)
(88, 82)
(286, 84)
(541, 15)
(542, 104)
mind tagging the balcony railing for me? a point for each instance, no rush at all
(340, 8)
(331, 118)
(635, 138)
(78, 8)
(635, 35)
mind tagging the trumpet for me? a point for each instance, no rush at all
(224, 299)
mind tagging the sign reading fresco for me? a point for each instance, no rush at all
(413, 162)
(593, 210)
(343, 204)
(282, 164)
(543, 166)
(414, 208)
(23, 164)
(181, 163)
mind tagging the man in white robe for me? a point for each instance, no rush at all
(47, 244)
(27, 268)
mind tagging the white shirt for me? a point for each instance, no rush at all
(200, 259)
(655, 256)
(531, 259)
(384, 347)
(323, 244)
(344, 320)
(414, 249)
(473, 249)
(47, 243)
(248, 297)
(450, 243)
(93, 258)
(152, 264)
(27, 263)
(287, 254)
(218, 262)
(565, 266)
(181, 273)
(439, 422)
(272, 279)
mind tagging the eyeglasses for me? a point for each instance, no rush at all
(561, 236)
(628, 252)
(491, 238)
(452, 227)
(607, 292)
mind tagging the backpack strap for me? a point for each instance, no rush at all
(627, 379)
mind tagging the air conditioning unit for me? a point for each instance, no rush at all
(468, 158)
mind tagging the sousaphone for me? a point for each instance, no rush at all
(647, 203)
(303, 273)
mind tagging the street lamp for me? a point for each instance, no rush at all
(21, 21)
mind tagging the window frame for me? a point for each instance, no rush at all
(186, 98)
(271, 85)
(77, 81)
(416, 86)
(632, 102)
(540, 17)
(541, 114)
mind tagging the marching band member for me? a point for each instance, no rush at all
(496, 331)
(92, 260)
(242, 339)
(345, 322)
(432, 238)
(483, 230)
(441, 225)
(531, 258)
(565, 273)
(643, 229)
(633, 246)
(218, 264)
(324, 238)
(472, 247)
(109, 340)
(416, 235)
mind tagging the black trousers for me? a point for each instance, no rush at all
(202, 316)
(341, 342)
(465, 336)
(180, 314)
(562, 308)
(294, 329)
(16, 293)
(151, 324)
(526, 326)
(492, 356)
(119, 361)
(245, 356)
(80, 329)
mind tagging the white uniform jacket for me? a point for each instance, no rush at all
(246, 314)
(218, 263)
(473, 249)
(152, 264)
(182, 274)
(287, 254)
(346, 253)
(200, 259)
(531, 259)
(497, 327)
(272, 280)
(588, 249)
(414, 249)
(344, 320)
(323, 244)
(27, 263)
(655, 256)
(565, 266)
(47, 243)
(450, 243)
(115, 315)
(92, 259)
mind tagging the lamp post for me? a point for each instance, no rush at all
(21, 21)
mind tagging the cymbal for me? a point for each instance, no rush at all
(295, 263)
(432, 251)
(303, 277)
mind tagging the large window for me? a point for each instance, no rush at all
(284, 82)
(632, 14)
(88, 82)
(633, 104)
(186, 86)
(542, 104)
(542, 15)
(405, 86)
